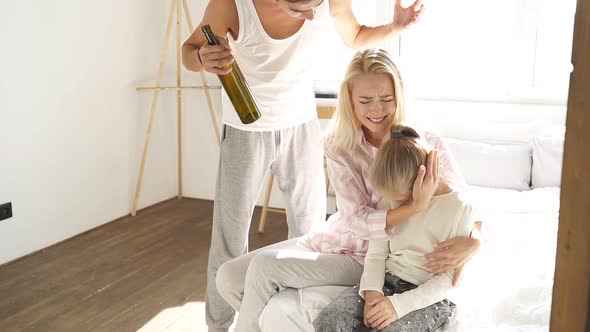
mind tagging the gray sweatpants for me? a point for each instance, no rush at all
(345, 313)
(248, 282)
(295, 156)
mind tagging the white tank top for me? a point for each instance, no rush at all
(279, 72)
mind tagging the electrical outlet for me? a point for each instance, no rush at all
(6, 211)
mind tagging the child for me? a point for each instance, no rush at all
(398, 291)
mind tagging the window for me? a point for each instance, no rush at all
(515, 51)
(335, 56)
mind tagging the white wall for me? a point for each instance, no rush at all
(490, 122)
(72, 124)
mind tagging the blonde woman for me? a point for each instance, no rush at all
(397, 293)
(371, 100)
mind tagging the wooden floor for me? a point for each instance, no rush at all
(145, 273)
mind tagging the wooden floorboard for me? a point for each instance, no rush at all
(143, 273)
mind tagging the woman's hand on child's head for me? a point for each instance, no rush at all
(379, 313)
(451, 254)
(426, 182)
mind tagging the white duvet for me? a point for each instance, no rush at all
(507, 287)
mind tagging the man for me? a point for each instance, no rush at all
(273, 41)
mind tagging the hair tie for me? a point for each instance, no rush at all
(397, 134)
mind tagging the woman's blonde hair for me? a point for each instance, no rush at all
(346, 128)
(396, 165)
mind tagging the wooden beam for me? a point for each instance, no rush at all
(275, 210)
(212, 114)
(179, 94)
(190, 87)
(153, 107)
(571, 291)
(325, 112)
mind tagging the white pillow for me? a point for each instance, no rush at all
(493, 165)
(547, 161)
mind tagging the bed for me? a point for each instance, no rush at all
(508, 286)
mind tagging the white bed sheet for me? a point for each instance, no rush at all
(507, 288)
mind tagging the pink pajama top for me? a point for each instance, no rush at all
(361, 214)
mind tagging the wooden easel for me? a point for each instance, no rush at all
(176, 6)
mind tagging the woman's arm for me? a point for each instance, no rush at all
(477, 230)
(457, 253)
(454, 253)
(354, 198)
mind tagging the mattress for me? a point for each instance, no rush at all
(507, 287)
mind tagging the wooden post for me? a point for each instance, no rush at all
(191, 28)
(153, 107)
(265, 207)
(179, 91)
(570, 309)
(176, 6)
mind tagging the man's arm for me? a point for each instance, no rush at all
(357, 36)
(222, 16)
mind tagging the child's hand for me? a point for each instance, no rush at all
(380, 314)
(370, 297)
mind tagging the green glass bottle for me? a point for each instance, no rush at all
(236, 87)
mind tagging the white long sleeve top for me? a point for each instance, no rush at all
(447, 216)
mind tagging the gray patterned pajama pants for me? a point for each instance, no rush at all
(345, 313)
